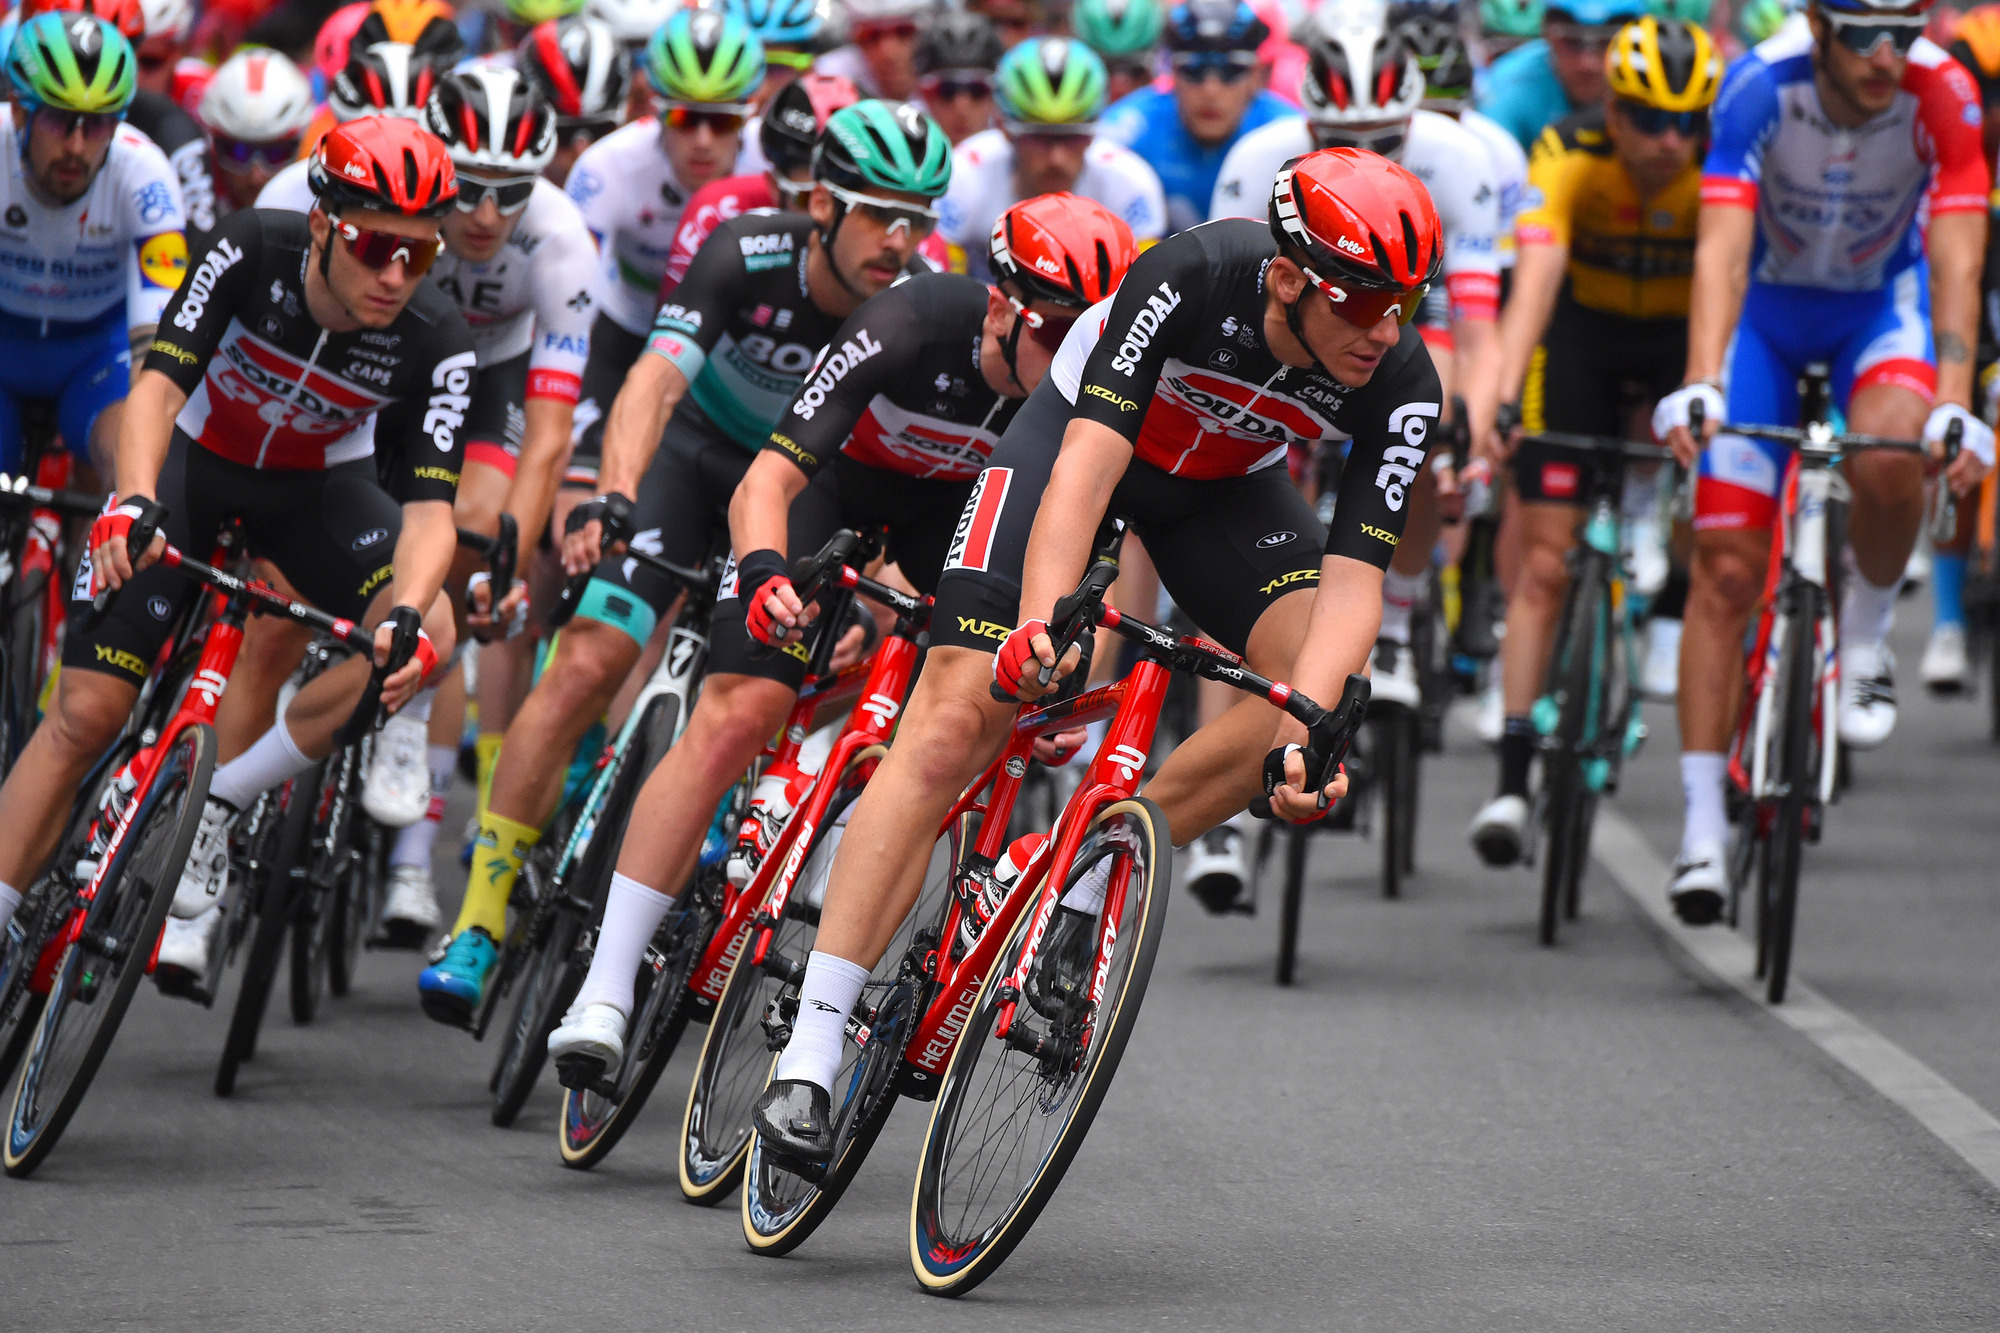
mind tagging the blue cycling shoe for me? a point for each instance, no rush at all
(452, 987)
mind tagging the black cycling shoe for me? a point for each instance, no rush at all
(1060, 963)
(795, 1120)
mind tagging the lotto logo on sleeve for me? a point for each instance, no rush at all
(972, 544)
(163, 259)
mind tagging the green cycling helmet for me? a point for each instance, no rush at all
(1520, 19)
(1115, 28)
(1051, 81)
(705, 56)
(72, 62)
(1687, 11)
(874, 145)
(528, 13)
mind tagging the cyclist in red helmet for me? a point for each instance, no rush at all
(306, 381)
(891, 429)
(1170, 405)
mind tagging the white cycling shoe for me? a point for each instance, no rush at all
(1867, 694)
(1700, 887)
(1491, 718)
(398, 790)
(206, 873)
(187, 954)
(1499, 830)
(1392, 675)
(410, 917)
(1946, 667)
(1650, 565)
(1216, 872)
(589, 1042)
(1660, 676)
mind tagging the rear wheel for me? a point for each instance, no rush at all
(1396, 779)
(1798, 784)
(1289, 909)
(271, 901)
(356, 901)
(100, 971)
(1011, 1113)
(1573, 673)
(315, 921)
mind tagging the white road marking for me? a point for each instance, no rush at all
(1963, 1124)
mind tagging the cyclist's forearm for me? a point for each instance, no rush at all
(1721, 277)
(1346, 616)
(424, 552)
(644, 405)
(145, 432)
(544, 447)
(1087, 470)
(759, 509)
(1538, 275)
(1957, 252)
(1478, 353)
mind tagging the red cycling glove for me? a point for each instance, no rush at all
(1017, 654)
(426, 653)
(764, 627)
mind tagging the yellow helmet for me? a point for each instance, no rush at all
(1664, 63)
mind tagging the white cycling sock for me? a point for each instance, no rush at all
(419, 706)
(10, 898)
(1702, 774)
(1866, 612)
(1641, 496)
(1399, 594)
(632, 912)
(826, 998)
(413, 844)
(263, 766)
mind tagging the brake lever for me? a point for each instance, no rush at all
(1076, 613)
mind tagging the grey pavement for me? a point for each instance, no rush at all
(1444, 1126)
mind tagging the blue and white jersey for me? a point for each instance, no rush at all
(121, 244)
(1148, 122)
(1839, 209)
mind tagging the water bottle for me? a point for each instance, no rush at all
(994, 888)
(772, 801)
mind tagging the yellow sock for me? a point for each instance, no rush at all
(497, 854)
(486, 750)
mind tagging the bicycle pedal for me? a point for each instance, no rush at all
(584, 1073)
(811, 1172)
(400, 935)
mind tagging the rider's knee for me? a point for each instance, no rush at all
(1885, 475)
(590, 660)
(1734, 576)
(441, 624)
(1544, 571)
(730, 725)
(87, 713)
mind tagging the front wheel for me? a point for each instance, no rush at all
(1798, 783)
(102, 968)
(272, 902)
(1012, 1112)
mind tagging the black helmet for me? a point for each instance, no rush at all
(959, 40)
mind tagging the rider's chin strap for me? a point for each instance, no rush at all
(1007, 348)
(826, 235)
(326, 264)
(1297, 327)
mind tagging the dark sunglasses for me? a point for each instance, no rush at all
(1229, 66)
(798, 60)
(1365, 307)
(1577, 40)
(96, 125)
(1048, 330)
(1652, 121)
(584, 133)
(950, 89)
(678, 117)
(379, 249)
(1865, 38)
(246, 153)
(882, 32)
(509, 196)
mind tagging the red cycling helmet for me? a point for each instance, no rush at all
(1364, 225)
(1061, 248)
(383, 163)
(124, 15)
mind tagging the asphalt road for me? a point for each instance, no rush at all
(1443, 1126)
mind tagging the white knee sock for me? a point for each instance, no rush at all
(261, 767)
(632, 912)
(414, 843)
(1702, 774)
(1866, 612)
(826, 998)
(1399, 594)
(10, 898)
(419, 706)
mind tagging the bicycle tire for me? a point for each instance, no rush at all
(1396, 758)
(272, 902)
(1572, 677)
(951, 1262)
(552, 976)
(1293, 903)
(313, 912)
(353, 897)
(132, 909)
(735, 1061)
(781, 1209)
(1797, 778)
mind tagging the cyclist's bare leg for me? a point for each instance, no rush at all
(1725, 583)
(83, 720)
(949, 732)
(271, 651)
(591, 661)
(1888, 487)
(1547, 533)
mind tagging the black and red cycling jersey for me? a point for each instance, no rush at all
(270, 389)
(899, 387)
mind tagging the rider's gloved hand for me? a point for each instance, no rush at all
(1018, 662)
(601, 521)
(1975, 444)
(111, 539)
(1670, 419)
(772, 611)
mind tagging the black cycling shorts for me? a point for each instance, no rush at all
(497, 421)
(921, 514)
(1590, 371)
(613, 350)
(1226, 548)
(680, 514)
(332, 534)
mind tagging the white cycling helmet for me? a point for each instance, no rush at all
(169, 19)
(257, 96)
(632, 22)
(386, 79)
(878, 11)
(492, 118)
(1363, 82)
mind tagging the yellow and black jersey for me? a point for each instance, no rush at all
(1627, 256)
